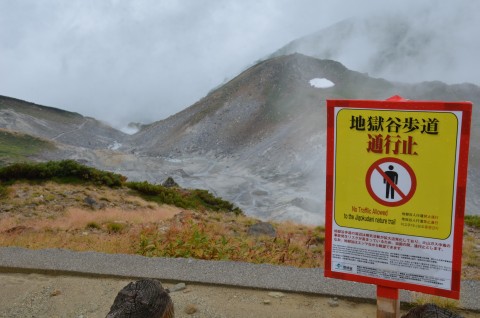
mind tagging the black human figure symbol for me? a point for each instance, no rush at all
(393, 176)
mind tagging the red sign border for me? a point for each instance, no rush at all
(406, 167)
(400, 104)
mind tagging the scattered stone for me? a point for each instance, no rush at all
(266, 302)
(262, 228)
(17, 229)
(56, 292)
(90, 202)
(190, 309)
(333, 302)
(276, 294)
(170, 183)
(178, 287)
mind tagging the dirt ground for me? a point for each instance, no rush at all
(35, 295)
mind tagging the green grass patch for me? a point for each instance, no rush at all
(115, 228)
(66, 171)
(93, 226)
(15, 147)
(473, 221)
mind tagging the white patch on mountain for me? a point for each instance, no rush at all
(321, 83)
(115, 146)
(129, 130)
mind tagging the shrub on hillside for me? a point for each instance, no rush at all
(186, 199)
(60, 170)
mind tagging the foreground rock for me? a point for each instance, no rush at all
(430, 311)
(142, 299)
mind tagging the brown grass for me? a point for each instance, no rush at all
(78, 218)
(101, 242)
(217, 236)
(471, 253)
(56, 216)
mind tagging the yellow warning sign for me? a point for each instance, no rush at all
(395, 170)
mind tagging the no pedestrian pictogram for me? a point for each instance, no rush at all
(391, 182)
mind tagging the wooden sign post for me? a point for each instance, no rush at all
(388, 304)
(395, 199)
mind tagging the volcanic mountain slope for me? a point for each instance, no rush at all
(259, 102)
(272, 95)
(262, 134)
(56, 125)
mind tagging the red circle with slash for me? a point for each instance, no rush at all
(383, 187)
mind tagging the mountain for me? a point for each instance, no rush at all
(270, 96)
(257, 141)
(412, 48)
(56, 125)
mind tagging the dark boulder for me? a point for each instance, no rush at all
(142, 299)
(170, 183)
(262, 228)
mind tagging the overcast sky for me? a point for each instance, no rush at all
(144, 60)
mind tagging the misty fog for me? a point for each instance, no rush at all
(146, 60)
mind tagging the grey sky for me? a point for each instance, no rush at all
(122, 61)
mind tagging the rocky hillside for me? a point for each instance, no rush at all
(56, 125)
(264, 132)
(260, 102)
(272, 95)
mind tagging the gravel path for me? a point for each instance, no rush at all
(77, 286)
(35, 295)
(42, 296)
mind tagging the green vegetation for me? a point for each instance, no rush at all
(16, 147)
(186, 199)
(72, 172)
(473, 221)
(93, 226)
(115, 227)
(61, 171)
